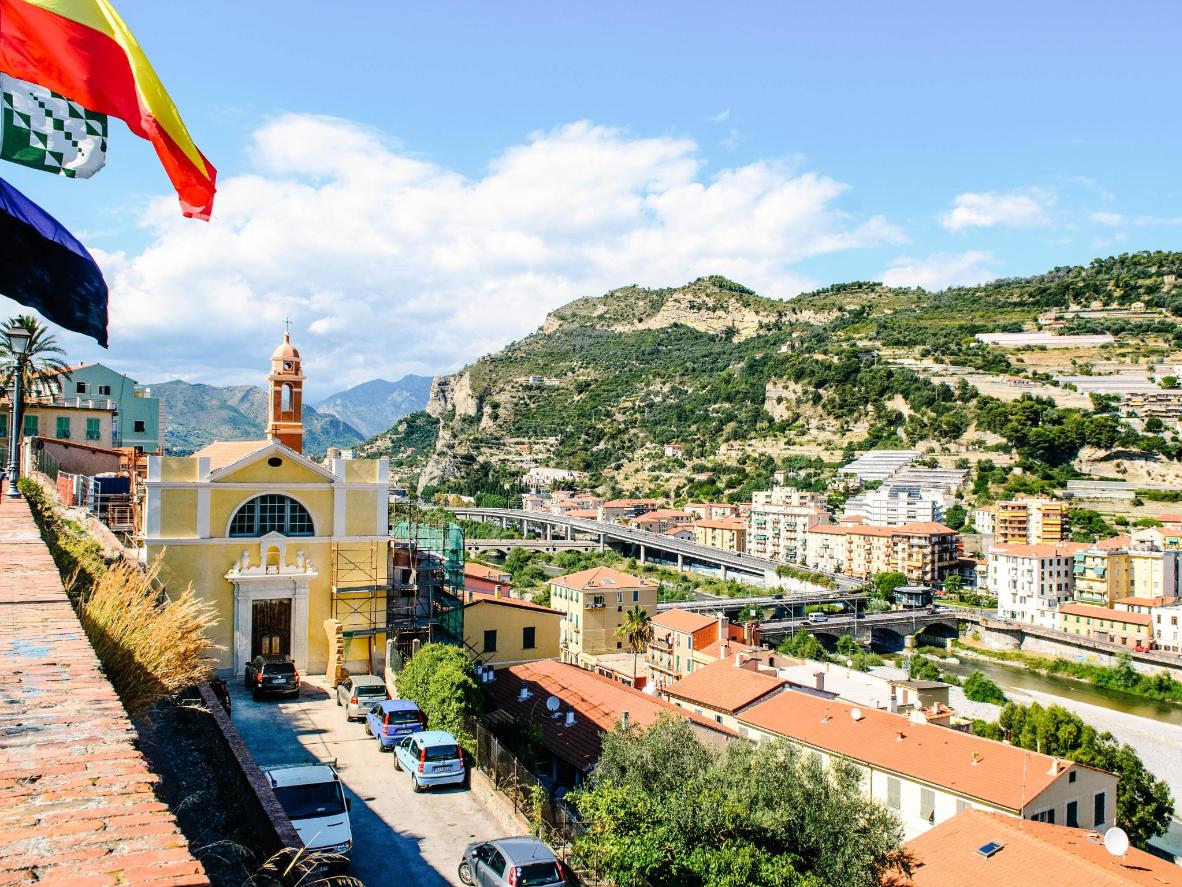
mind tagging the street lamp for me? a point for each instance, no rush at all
(18, 341)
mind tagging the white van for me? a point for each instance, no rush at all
(315, 802)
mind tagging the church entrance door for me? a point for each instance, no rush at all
(270, 627)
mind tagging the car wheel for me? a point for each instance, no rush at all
(338, 700)
(465, 873)
(416, 785)
(368, 732)
(397, 763)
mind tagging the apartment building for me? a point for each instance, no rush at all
(1101, 575)
(893, 505)
(661, 519)
(728, 533)
(1163, 613)
(1032, 581)
(924, 772)
(502, 631)
(878, 465)
(711, 510)
(1155, 573)
(593, 604)
(1022, 522)
(1129, 629)
(779, 520)
(616, 511)
(81, 420)
(925, 552)
(684, 641)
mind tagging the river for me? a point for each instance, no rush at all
(1153, 728)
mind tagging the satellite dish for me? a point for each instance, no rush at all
(856, 714)
(552, 703)
(1116, 842)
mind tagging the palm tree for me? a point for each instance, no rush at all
(637, 630)
(41, 362)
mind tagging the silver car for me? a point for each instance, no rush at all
(358, 693)
(519, 862)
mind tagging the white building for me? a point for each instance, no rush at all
(1031, 581)
(893, 505)
(779, 521)
(878, 465)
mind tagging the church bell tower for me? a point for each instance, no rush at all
(285, 414)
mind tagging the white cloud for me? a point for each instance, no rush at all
(1016, 208)
(390, 264)
(941, 270)
(1112, 220)
(721, 117)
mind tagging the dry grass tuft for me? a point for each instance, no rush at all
(149, 645)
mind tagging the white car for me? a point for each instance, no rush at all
(315, 802)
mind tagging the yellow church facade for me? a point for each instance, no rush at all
(278, 542)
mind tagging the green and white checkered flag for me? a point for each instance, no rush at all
(50, 132)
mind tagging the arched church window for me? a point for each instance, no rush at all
(272, 513)
(285, 399)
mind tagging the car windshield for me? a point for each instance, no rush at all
(370, 690)
(404, 716)
(279, 668)
(538, 873)
(442, 752)
(311, 801)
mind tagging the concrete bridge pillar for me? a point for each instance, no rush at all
(549, 532)
(723, 573)
(680, 562)
(602, 541)
(642, 554)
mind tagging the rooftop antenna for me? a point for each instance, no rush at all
(1116, 842)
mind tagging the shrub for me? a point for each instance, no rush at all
(980, 688)
(441, 680)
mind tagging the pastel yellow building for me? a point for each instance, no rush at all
(727, 533)
(276, 541)
(501, 631)
(1102, 576)
(594, 604)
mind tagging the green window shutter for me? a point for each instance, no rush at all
(93, 431)
(3, 424)
(31, 429)
(63, 427)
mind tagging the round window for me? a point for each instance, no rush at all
(274, 461)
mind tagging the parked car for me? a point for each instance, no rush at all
(432, 757)
(272, 675)
(358, 693)
(392, 720)
(313, 799)
(520, 862)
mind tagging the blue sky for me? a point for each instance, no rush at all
(916, 142)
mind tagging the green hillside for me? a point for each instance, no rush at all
(852, 366)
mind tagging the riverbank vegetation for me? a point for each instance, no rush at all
(1121, 677)
(1144, 805)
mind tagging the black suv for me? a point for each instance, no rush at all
(266, 675)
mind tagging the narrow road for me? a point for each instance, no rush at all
(398, 836)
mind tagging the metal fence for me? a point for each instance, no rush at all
(552, 821)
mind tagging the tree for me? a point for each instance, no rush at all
(441, 680)
(41, 360)
(803, 645)
(924, 669)
(637, 631)
(886, 583)
(978, 687)
(1154, 425)
(1169, 381)
(952, 584)
(954, 516)
(664, 809)
(1144, 805)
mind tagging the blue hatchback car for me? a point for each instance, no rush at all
(392, 720)
(432, 757)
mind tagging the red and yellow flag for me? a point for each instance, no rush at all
(83, 50)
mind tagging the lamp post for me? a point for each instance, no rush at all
(18, 340)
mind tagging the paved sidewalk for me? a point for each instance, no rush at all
(398, 836)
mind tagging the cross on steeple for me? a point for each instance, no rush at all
(287, 325)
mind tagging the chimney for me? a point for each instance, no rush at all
(722, 623)
(819, 680)
(723, 649)
(893, 702)
(976, 759)
(738, 660)
(570, 719)
(748, 633)
(523, 694)
(1054, 771)
(624, 720)
(497, 590)
(900, 736)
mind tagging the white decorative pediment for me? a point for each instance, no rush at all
(270, 559)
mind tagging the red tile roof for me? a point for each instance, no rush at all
(484, 597)
(980, 768)
(683, 620)
(1150, 601)
(599, 578)
(1044, 550)
(483, 571)
(722, 523)
(597, 702)
(1105, 613)
(1032, 854)
(724, 687)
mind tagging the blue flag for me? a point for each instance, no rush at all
(43, 266)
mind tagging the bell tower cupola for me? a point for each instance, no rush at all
(285, 414)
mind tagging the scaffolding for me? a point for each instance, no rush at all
(428, 574)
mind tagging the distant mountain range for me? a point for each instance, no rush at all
(197, 414)
(373, 406)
